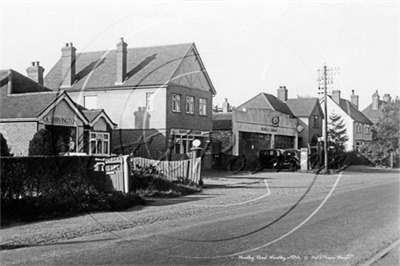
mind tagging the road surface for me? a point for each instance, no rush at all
(261, 219)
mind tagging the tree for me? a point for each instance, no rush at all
(385, 134)
(337, 134)
(42, 143)
(5, 150)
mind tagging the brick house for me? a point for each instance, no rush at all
(310, 117)
(27, 106)
(160, 96)
(374, 110)
(357, 124)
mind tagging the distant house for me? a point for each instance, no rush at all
(310, 117)
(27, 106)
(357, 124)
(374, 110)
(262, 122)
(160, 96)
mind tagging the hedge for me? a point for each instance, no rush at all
(34, 188)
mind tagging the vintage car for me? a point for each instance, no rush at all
(278, 159)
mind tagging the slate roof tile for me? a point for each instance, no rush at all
(302, 107)
(153, 65)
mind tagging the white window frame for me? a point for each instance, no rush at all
(99, 138)
(358, 128)
(183, 143)
(189, 104)
(203, 106)
(176, 103)
(367, 129)
(150, 101)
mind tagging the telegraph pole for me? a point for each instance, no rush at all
(325, 123)
(327, 79)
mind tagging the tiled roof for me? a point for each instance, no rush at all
(267, 101)
(373, 115)
(23, 105)
(353, 112)
(145, 66)
(302, 107)
(222, 121)
(92, 114)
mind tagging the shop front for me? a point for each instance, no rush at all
(260, 129)
(183, 139)
(73, 129)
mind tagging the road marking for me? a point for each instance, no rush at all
(271, 242)
(381, 253)
(240, 203)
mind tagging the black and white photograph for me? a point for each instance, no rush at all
(200, 132)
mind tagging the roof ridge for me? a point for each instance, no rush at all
(132, 48)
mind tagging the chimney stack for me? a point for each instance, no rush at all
(282, 93)
(121, 62)
(68, 65)
(354, 99)
(387, 98)
(226, 107)
(35, 72)
(336, 96)
(375, 101)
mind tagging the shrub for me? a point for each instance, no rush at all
(148, 181)
(34, 188)
(42, 143)
(5, 150)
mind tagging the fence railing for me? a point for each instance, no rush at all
(173, 170)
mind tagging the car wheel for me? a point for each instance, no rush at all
(292, 167)
(276, 166)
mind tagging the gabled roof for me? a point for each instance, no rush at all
(267, 101)
(94, 114)
(352, 111)
(146, 66)
(23, 105)
(222, 121)
(303, 107)
(374, 115)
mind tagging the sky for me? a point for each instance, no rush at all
(247, 47)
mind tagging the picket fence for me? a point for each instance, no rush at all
(117, 169)
(173, 170)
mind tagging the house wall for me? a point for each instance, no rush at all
(127, 107)
(347, 120)
(183, 120)
(361, 137)
(18, 135)
(304, 135)
(312, 129)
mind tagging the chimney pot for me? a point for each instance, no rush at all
(68, 65)
(375, 101)
(354, 99)
(282, 93)
(35, 72)
(121, 63)
(226, 106)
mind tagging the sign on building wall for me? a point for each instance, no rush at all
(58, 120)
(191, 132)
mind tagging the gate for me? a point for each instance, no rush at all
(116, 168)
